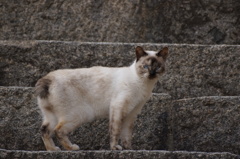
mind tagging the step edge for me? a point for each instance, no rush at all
(207, 97)
(121, 151)
(7, 42)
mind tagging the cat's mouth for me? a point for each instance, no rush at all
(152, 76)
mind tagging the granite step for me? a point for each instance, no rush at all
(140, 154)
(207, 124)
(192, 70)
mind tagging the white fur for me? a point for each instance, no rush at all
(78, 96)
(151, 53)
(121, 83)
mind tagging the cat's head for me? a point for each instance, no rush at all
(150, 64)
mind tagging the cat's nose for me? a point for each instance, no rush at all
(152, 72)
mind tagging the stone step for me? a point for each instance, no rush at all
(182, 21)
(140, 154)
(208, 124)
(192, 70)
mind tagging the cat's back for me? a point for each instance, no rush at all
(82, 74)
(96, 78)
(103, 80)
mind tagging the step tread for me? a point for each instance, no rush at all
(106, 154)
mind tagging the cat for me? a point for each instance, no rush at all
(68, 98)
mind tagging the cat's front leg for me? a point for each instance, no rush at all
(126, 132)
(127, 127)
(115, 124)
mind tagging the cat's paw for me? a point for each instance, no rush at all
(75, 147)
(117, 147)
(55, 148)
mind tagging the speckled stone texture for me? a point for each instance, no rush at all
(198, 108)
(161, 21)
(207, 124)
(7, 154)
(21, 120)
(191, 71)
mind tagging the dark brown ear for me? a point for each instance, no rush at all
(140, 52)
(163, 53)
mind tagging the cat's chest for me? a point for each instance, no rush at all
(134, 88)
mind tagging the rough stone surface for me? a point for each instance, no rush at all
(21, 120)
(192, 70)
(209, 124)
(193, 123)
(7, 154)
(161, 21)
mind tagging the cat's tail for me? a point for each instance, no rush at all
(42, 87)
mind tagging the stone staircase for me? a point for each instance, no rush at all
(195, 108)
(195, 105)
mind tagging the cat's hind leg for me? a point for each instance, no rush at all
(61, 130)
(47, 130)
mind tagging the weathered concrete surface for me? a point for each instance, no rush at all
(173, 21)
(192, 70)
(9, 154)
(21, 120)
(209, 124)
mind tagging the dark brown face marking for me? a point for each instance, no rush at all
(42, 87)
(151, 66)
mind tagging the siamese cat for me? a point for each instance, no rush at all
(68, 98)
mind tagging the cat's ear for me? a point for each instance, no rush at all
(140, 52)
(163, 53)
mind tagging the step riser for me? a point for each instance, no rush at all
(192, 70)
(197, 124)
(206, 22)
(208, 124)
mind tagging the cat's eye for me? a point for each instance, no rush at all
(158, 68)
(145, 66)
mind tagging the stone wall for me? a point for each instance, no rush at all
(158, 21)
